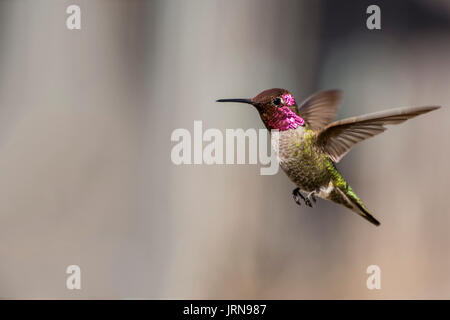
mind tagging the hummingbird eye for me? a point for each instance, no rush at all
(277, 101)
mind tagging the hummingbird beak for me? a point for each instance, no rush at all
(249, 101)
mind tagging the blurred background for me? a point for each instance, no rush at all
(86, 176)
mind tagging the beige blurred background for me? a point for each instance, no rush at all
(85, 170)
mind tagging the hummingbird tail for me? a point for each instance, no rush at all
(349, 199)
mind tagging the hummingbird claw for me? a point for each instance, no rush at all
(308, 200)
(312, 196)
(297, 196)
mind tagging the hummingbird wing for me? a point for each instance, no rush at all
(337, 138)
(320, 109)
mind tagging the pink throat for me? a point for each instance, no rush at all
(284, 119)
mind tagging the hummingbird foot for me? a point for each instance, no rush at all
(310, 198)
(297, 196)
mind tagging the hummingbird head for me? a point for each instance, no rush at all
(277, 109)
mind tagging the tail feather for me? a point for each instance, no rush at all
(349, 199)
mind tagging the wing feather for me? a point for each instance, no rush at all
(320, 109)
(337, 138)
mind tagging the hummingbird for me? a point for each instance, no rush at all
(309, 144)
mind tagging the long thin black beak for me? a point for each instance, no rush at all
(249, 101)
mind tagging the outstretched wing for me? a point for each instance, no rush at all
(337, 138)
(320, 109)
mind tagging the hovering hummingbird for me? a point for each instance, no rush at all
(310, 144)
